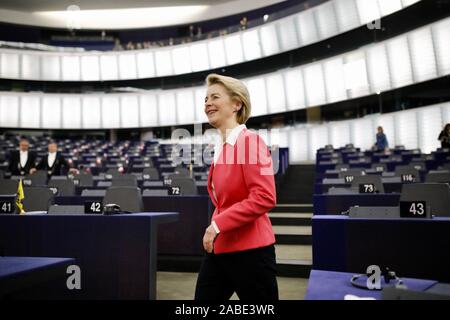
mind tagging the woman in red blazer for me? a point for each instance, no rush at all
(240, 241)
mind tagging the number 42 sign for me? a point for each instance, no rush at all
(93, 207)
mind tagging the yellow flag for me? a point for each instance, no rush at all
(20, 197)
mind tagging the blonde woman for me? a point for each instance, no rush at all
(239, 243)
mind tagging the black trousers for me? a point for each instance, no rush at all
(251, 274)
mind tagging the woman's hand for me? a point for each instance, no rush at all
(208, 239)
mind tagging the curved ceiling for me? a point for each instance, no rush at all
(298, 30)
(121, 14)
(417, 56)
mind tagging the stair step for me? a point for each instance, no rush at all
(293, 239)
(293, 252)
(297, 185)
(293, 230)
(290, 219)
(294, 268)
(293, 234)
(291, 215)
(171, 263)
(294, 198)
(293, 207)
(286, 205)
(294, 260)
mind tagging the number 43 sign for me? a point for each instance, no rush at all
(414, 209)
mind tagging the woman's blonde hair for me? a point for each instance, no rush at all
(237, 90)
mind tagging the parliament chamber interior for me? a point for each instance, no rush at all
(108, 148)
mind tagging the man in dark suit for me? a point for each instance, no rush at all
(53, 162)
(22, 161)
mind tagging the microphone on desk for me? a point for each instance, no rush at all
(112, 209)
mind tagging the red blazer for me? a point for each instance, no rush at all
(245, 189)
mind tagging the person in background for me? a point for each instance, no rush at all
(381, 143)
(191, 31)
(239, 242)
(130, 46)
(199, 32)
(117, 45)
(243, 23)
(444, 136)
(22, 161)
(54, 162)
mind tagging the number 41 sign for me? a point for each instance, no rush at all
(6, 207)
